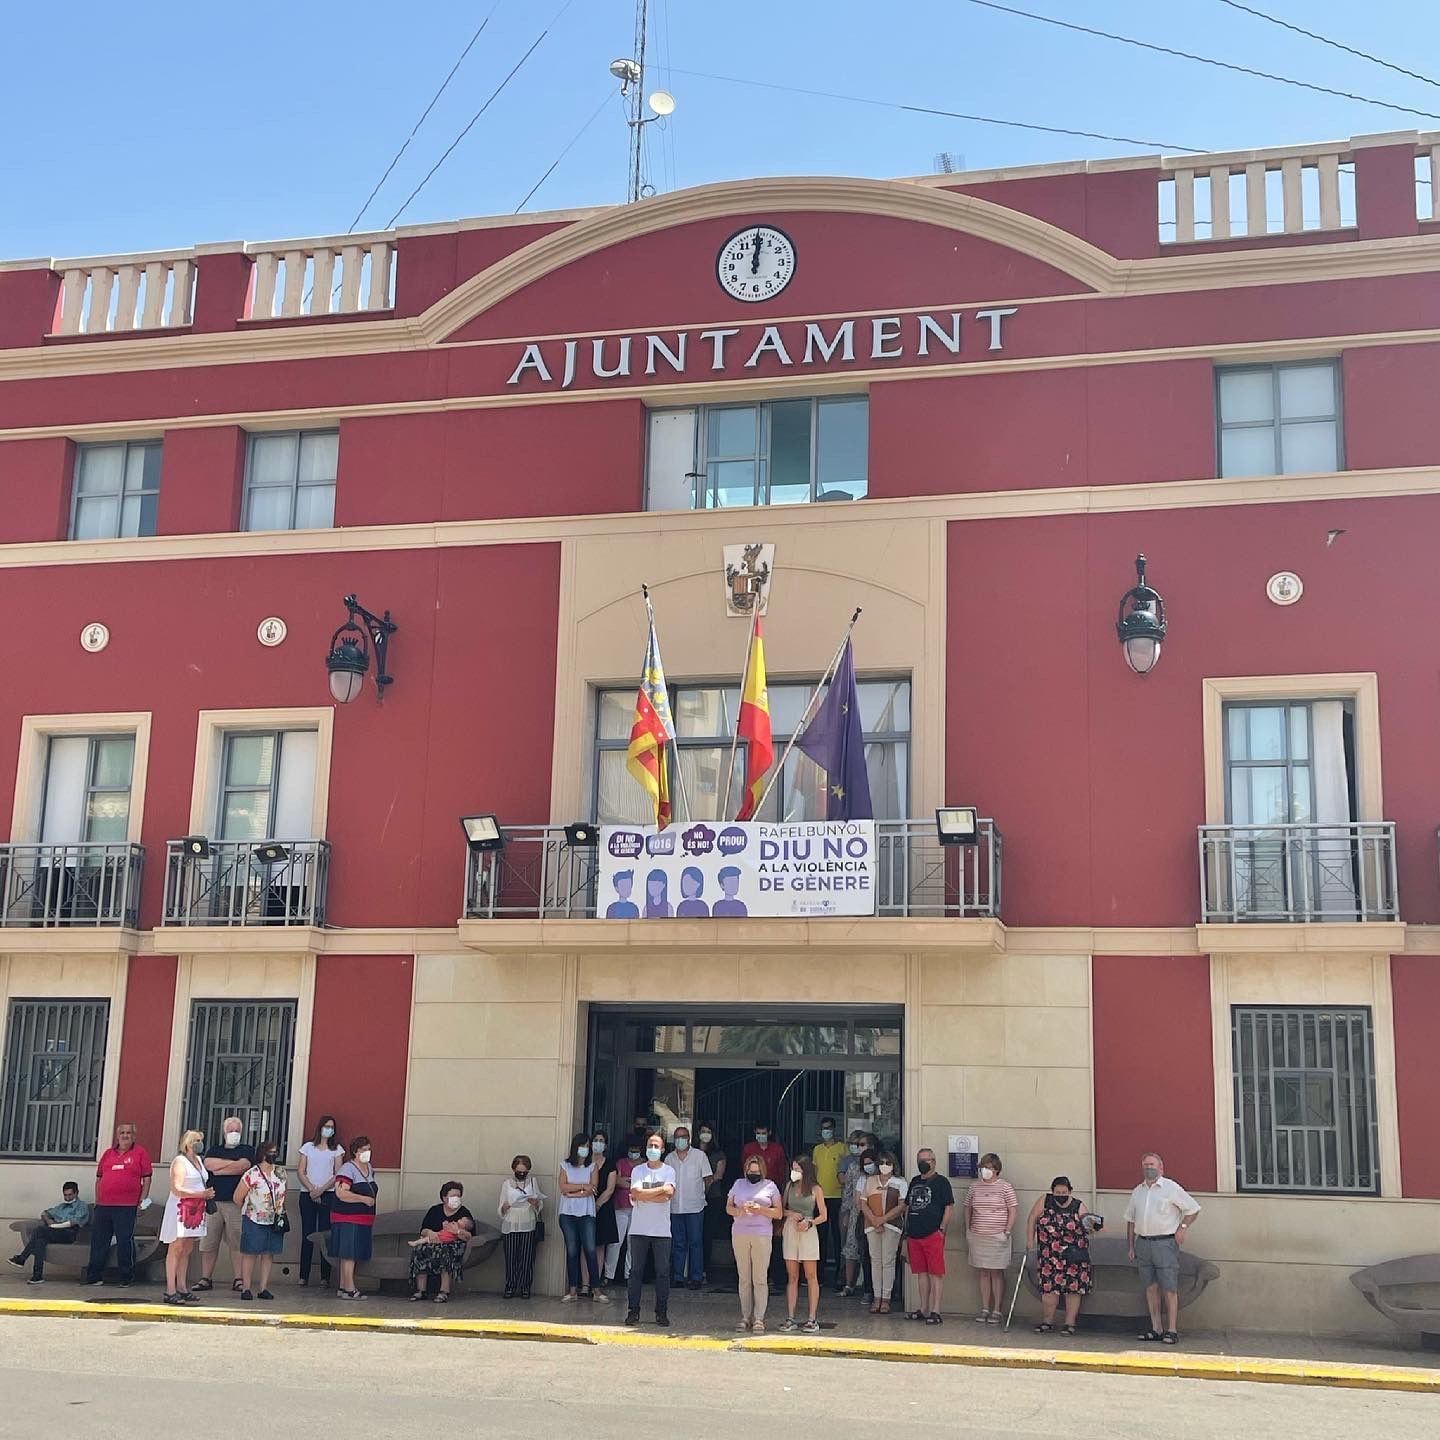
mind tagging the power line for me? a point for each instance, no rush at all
(1334, 44)
(1205, 60)
(423, 117)
(574, 140)
(948, 114)
(470, 124)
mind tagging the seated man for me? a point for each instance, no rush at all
(59, 1225)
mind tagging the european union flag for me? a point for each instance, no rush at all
(835, 741)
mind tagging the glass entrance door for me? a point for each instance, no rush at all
(735, 1069)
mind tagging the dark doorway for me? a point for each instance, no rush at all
(732, 1069)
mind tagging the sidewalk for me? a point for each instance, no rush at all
(707, 1320)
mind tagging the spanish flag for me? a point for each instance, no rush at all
(651, 731)
(754, 726)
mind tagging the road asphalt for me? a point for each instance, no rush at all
(100, 1377)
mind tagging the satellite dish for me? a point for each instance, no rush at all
(662, 102)
(625, 71)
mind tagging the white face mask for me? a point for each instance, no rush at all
(363, 1156)
(795, 1176)
(232, 1139)
(452, 1202)
(327, 1132)
(887, 1169)
(705, 1137)
(583, 1151)
(987, 1173)
(599, 1146)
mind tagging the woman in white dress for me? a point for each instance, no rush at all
(184, 1221)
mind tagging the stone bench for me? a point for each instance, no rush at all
(1116, 1292)
(72, 1259)
(1407, 1293)
(390, 1250)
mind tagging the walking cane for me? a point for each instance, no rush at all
(1019, 1281)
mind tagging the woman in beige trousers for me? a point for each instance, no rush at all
(753, 1205)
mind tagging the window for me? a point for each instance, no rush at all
(54, 1074)
(290, 480)
(704, 724)
(87, 789)
(239, 1062)
(117, 490)
(779, 452)
(1305, 1099)
(1279, 419)
(267, 785)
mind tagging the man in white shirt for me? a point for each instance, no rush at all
(1157, 1219)
(687, 1210)
(652, 1187)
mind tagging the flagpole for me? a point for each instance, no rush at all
(679, 772)
(724, 796)
(805, 718)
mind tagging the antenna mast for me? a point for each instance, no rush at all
(636, 98)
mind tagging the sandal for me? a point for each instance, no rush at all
(884, 1307)
(418, 1295)
(1067, 1329)
(1151, 1335)
(875, 1307)
(914, 1314)
(234, 1285)
(1170, 1337)
(442, 1298)
(1043, 1329)
(204, 1285)
(934, 1318)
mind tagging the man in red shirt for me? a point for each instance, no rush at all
(778, 1173)
(122, 1190)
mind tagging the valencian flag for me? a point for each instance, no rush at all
(835, 740)
(754, 726)
(653, 729)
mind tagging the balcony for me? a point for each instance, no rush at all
(538, 890)
(1299, 887)
(69, 887)
(233, 888)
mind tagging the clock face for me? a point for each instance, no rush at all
(756, 263)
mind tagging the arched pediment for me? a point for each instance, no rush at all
(963, 214)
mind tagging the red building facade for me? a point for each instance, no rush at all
(964, 403)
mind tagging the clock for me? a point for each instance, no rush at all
(756, 263)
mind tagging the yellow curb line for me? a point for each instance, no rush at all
(1193, 1367)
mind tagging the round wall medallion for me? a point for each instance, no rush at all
(94, 637)
(271, 631)
(1284, 588)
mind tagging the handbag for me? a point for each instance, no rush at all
(281, 1223)
(539, 1231)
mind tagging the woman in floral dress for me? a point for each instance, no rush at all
(1056, 1230)
(851, 1177)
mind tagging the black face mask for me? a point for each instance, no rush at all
(926, 1166)
(1062, 1199)
(521, 1174)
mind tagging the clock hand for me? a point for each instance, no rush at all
(755, 258)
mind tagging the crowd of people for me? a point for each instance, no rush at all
(845, 1207)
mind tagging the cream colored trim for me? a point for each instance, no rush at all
(102, 941)
(1306, 938)
(210, 731)
(1362, 688)
(825, 382)
(1222, 1074)
(1387, 1095)
(547, 530)
(947, 208)
(35, 732)
(26, 976)
(300, 1065)
(1266, 983)
(237, 940)
(179, 1044)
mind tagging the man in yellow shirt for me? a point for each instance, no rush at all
(827, 1156)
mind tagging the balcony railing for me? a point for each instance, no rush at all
(538, 876)
(1279, 873)
(70, 885)
(233, 886)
